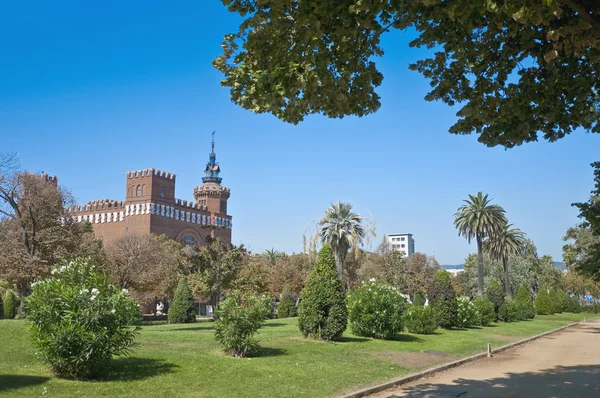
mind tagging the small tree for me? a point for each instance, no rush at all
(287, 304)
(420, 320)
(323, 313)
(443, 300)
(10, 304)
(508, 311)
(485, 311)
(495, 294)
(543, 303)
(524, 305)
(182, 308)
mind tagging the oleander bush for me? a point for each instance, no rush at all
(484, 310)
(287, 304)
(323, 313)
(80, 321)
(375, 310)
(239, 318)
(543, 303)
(420, 320)
(267, 306)
(182, 309)
(466, 312)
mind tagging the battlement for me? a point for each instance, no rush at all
(189, 205)
(95, 205)
(50, 179)
(211, 189)
(150, 172)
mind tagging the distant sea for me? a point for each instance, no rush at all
(558, 264)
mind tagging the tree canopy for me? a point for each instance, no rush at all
(515, 68)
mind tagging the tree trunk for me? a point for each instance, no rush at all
(22, 289)
(506, 279)
(339, 262)
(479, 266)
(217, 295)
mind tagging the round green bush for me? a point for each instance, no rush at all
(443, 300)
(543, 303)
(420, 320)
(466, 312)
(239, 318)
(484, 310)
(508, 311)
(418, 299)
(560, 300)
(495, 294)
(524, 305)
(323, 313)
(80, 320)
(10, 304)
(266, 306)
(574, 305)
(182, 308)
(287, 304)
(375, 310)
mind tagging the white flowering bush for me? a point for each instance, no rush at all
(467, 312)
(79, 320)
(375, 310)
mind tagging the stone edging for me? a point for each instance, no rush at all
(440, 368)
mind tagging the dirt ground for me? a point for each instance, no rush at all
(565, 364)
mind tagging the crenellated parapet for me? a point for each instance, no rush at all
(211, 190)
(149, 173)
(50, 179)
(97, 205)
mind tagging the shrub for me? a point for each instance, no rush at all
(323, 313)
(543, 303)
(443, 300)
(508, 311)
(418, 299)
(524, 305)
(182, 308)
(266, 306)
(10, 304)
(375, 310)
(420, 320)
(484, 310)
(559, 300)
(467, 313)
(287, 304)
(239, 318)
(80, 320)
(574, 305)
(495, 294)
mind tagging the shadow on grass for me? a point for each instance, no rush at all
(268, 352)
(131, 368)
(208, 326)
(13, 382)
(272, 324)
(406, 338)
(353, 339)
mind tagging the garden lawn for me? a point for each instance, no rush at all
(185, 361)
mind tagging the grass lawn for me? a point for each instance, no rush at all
(185, 361)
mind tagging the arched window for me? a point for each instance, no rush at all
(138, 191)
(189, 241)
(162, 191)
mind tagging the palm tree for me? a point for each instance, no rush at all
(501, 245)
(479, 219)
(342, 229)
(272, 256)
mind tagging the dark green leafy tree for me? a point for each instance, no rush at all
(543, 303)
(524, 304)
(443, 300)
(506, 241)
(495, 295)
(182, 309)
(479, 219)
(323, 313)
(287, 304)
(342, 229)
(515, 68)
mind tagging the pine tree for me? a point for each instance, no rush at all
(182, 308)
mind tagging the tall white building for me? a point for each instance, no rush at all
(404, 243)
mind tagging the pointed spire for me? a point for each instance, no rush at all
(212, 170)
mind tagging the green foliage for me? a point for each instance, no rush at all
(418, 299)
(182, 308)
(543, 303)
(574, 305)
(239, 319)
(10, 304)
(375, 310)
(524, 305)
(443, 300)
(560, 300)
(467, 312)
(495, 294)
(508, 311)
(287, 304)
(80, 320)
(266, 306)
(420, 320)
(323, 313)
(484, 311)
(295, 74)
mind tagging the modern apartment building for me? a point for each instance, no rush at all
(404, 243)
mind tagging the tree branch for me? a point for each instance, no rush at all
(579, 9)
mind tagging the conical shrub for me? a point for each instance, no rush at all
(182, 308)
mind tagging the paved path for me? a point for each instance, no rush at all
(565, 364)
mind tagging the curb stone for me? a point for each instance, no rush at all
(440, 368)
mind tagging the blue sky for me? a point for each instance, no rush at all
(91, 90)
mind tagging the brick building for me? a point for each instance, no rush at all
(150, 206)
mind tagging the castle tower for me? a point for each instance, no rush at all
(212, 194)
